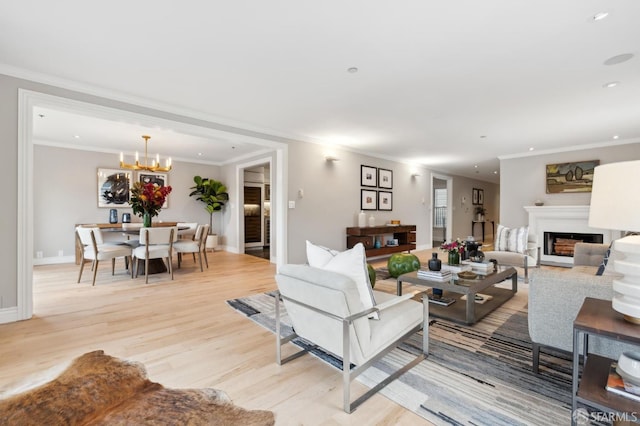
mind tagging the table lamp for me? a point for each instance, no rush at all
(615, 204)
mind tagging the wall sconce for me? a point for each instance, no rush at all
(331, 158)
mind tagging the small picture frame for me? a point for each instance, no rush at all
(474, 196)
(368, 199)
(385, 200)
(368, 176)
(114, 188)
(385, 179)
(480, 196)
(158, 178)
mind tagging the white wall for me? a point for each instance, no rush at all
(65, 196)
(523, 180)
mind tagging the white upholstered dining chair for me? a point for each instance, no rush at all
(155, 243)
(93, 248)
(195, 245)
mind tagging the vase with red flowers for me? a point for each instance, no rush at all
(147, 200)
(454, 249)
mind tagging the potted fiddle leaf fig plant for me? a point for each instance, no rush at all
(214, 195)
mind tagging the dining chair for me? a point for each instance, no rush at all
(95, 249)
(196, 245)
(155, 243)
(187, 230)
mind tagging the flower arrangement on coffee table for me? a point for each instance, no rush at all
(454, 248)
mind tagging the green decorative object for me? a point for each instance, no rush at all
(402, 263)
(372, 275)
(454, 258)
(146, 220)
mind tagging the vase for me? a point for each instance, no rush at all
(113, 216)
(454, 258)
(435, 264)
(146, 219)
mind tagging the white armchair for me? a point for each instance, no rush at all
(529, 258)
(325, 309)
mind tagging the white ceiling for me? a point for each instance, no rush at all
(448, 84)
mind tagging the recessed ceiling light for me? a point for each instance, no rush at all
(531, 149)
(76, 136)
(610, 84)
(476, 166)
(600, 16)
(352, 70)
(618, 59)
(199, 154)
(616, 137)
(495, 172)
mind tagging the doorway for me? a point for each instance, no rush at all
(257, 211)
(441, 212)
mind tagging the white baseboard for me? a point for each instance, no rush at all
(8, 315)
(54, 260)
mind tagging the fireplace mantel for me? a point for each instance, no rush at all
(562, 219)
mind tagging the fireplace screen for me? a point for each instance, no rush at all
(562, 243)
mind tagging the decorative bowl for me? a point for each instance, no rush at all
(629, 367)
(539, 203)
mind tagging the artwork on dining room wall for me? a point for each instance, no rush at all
(385, 200)
(161, 179)
(570, 177)
(368, 176)
(114, 187)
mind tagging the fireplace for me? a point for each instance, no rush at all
(569, 223)
(563, 243)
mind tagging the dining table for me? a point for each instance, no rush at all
(156, 266)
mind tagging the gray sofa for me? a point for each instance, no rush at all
(555, 297)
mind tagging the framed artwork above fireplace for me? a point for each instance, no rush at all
(570, 177)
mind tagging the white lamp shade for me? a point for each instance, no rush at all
(615, 197)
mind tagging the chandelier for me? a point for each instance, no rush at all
(155, 163)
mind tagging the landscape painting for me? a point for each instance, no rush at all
(570, 177)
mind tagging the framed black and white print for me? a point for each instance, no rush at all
(114, 187)
(161, 179)
(474, 196)
(385, 178)
(385, 200)
(158, 178)
(480, 196)
(368, 176)
(368, 199)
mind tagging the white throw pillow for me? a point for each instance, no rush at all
(318, 256)
(514, 240)
(352, 263)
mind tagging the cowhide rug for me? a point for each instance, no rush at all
(98, 389)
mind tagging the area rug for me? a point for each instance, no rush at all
(474, 375)
(98, 389)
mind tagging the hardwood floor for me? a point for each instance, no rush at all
(186, 335)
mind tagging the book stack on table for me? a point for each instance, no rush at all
(440, 276)
(480, 268)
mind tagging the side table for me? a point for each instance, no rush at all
(597, 318)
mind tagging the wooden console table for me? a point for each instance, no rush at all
(405, 234)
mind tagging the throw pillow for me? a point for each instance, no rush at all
(352, 263)
(605, 260)
(512, 239)
(318, 256)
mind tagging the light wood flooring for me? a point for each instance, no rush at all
(186, 335)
